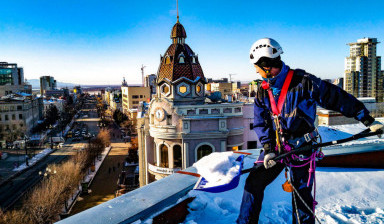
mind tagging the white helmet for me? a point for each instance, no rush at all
(266, 47)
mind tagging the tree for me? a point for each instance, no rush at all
(119, 117)
(52, 114)
(105, 137)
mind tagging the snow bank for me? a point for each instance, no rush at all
(34, 159)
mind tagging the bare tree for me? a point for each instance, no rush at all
(105, 137)
(45, 202)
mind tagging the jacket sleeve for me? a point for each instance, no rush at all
(332, 97)
(262, 124)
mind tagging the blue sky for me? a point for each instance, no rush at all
(100, 42)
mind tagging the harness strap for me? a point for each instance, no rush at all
(276, 109)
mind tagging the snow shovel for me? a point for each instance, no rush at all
(202, 182)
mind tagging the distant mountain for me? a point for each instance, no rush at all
(36, 84)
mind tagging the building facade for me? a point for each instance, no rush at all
(12, 80)
(47, 83)
(18, 115)
(363, 76)
(179, 127)
(132, 95)
(150, 81)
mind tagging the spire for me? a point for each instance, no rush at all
(177, 9)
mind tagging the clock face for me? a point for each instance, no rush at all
(159, 114)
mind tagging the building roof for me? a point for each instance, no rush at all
(178, 31)
(172, 67)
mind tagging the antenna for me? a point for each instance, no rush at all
(142, 73)
(177, 9)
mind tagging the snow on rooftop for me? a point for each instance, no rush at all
(345, 195)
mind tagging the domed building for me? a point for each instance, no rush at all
(179, 127)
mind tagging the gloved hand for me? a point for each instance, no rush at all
(375, 126)
(268, 160)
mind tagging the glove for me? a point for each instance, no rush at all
(268, 160)
(375, 126)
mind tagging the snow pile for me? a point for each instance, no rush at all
(221, 171)
(34, 159)
(344, 196)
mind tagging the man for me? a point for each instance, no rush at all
(285, 112)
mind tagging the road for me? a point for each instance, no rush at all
(12, 192)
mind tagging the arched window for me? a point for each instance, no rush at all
(164, 156)
(203, 150)
(181, 60)
(177, 163)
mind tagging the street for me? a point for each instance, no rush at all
(12, 191)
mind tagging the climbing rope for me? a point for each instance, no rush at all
(305, 204)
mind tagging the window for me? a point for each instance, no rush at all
(20, 116)
(177, 162)
(19, 107)
(141, 96)
(181, 60)
(6, 117)
(182, 89)
(165, 89)
(135, 96)
(250, 126)
(164, 156)
(135, 102)
(169, 119)
(167, 60)
(215, 111)
(198, 89)
(203, 150)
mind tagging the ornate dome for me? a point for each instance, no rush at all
(179, 61)
(178, 31)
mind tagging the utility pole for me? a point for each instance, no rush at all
(142, 73)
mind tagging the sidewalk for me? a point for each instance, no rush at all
(104, 184)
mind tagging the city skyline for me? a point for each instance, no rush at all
(102, 42)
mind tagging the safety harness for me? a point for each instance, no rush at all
(283, 146)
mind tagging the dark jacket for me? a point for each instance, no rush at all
(299, 110)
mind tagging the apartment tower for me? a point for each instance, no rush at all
(363, 76)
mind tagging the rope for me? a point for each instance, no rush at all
(296, 210)
(302, 200)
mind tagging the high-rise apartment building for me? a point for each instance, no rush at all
(363, 76)
(47, 83)
(12, 79)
